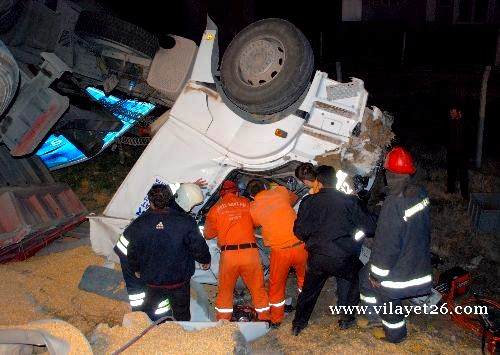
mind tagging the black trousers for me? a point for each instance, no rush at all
(174, 302)
(458, 162)
(136, 289)
(319, 269)
(394, 324)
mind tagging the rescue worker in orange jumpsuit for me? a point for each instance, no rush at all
(230, 221)
(272, 209)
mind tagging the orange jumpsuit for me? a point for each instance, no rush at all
(229, 220)
(272, 209)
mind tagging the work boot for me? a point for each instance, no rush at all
(364, 322)
(288, 305)
(274, 325)
(289, 308)
(296, 330)
(379, 333)
(346, 321)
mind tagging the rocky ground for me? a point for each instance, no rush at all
(427, 334)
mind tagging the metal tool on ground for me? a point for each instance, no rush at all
(136, 338)
(479, 314)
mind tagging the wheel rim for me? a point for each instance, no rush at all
(261, 61)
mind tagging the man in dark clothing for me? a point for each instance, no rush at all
(331, 224)
(400, 261)
(162, 246)
(457, 158)
(136, 288)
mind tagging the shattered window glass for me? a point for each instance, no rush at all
(57, 151)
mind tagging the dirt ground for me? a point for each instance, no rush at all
(427, 334)
(47, 287)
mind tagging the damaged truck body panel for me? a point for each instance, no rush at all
(204, 136)
(34, 209)
(36, 109)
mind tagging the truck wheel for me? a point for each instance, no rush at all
(267, 66)
(9, 78)
(108, 30)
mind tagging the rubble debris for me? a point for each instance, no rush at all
(358, 160)
(376, 127)
(361, 155)
(332, 158)
(168, 337)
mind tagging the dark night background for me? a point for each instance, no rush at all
(442, 64)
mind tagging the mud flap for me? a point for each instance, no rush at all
(105, 282)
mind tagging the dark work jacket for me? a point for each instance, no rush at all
(121, 250)
(175, 206)
(402, 245)
(163, 246)
(327, 222)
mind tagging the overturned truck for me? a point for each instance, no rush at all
(257, 114)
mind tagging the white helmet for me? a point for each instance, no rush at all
(188, 196)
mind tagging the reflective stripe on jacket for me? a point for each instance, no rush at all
(400, 258)
(329, 221)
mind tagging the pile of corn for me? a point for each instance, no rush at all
(47, 287)
(78, 344)
(166, 338)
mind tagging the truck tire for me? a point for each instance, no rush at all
(9, 78)
(267, 67)
(99, 27)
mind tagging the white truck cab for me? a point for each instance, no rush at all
(206, 135)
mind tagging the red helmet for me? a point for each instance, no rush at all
(228, 187)
(399, 161)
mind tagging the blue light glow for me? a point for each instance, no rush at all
(57, 152)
